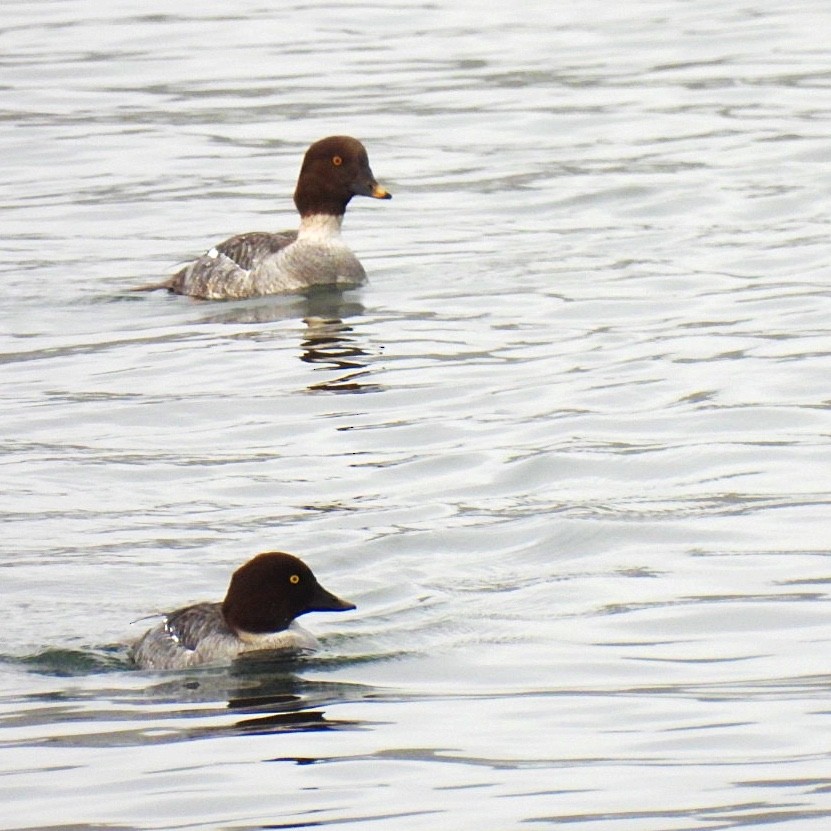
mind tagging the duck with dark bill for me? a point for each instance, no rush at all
(258, 613)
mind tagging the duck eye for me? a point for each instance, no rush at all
(337, 161)
(294, 579)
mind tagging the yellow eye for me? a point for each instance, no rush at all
(337, 161)
(295, 578)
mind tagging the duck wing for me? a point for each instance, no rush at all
(246, 250)
(193, 624)
(224, 264)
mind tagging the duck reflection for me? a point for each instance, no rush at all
(324, 303)
(262, 698)
(256, 695)
(329, 343)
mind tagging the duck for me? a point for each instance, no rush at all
(264, 598)
(260, 263)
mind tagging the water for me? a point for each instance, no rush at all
(568, 451)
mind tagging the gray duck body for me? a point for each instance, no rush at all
(261, 263)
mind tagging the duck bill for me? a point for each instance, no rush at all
(324, 601)
(379, 192)
(369, 187)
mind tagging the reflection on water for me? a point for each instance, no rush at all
(262, 695)
(329, 343)
(322, 303)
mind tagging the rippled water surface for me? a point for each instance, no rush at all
(568, 451)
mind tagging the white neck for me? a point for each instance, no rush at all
(319, 227)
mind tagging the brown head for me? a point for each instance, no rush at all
(270, 591)
(334, 170)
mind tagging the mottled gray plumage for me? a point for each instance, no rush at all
(259, 263)
(198, 635)
(334, 170)
(248, 249)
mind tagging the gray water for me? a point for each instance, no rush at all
(569, 451)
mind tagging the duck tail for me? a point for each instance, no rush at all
(152, 286)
